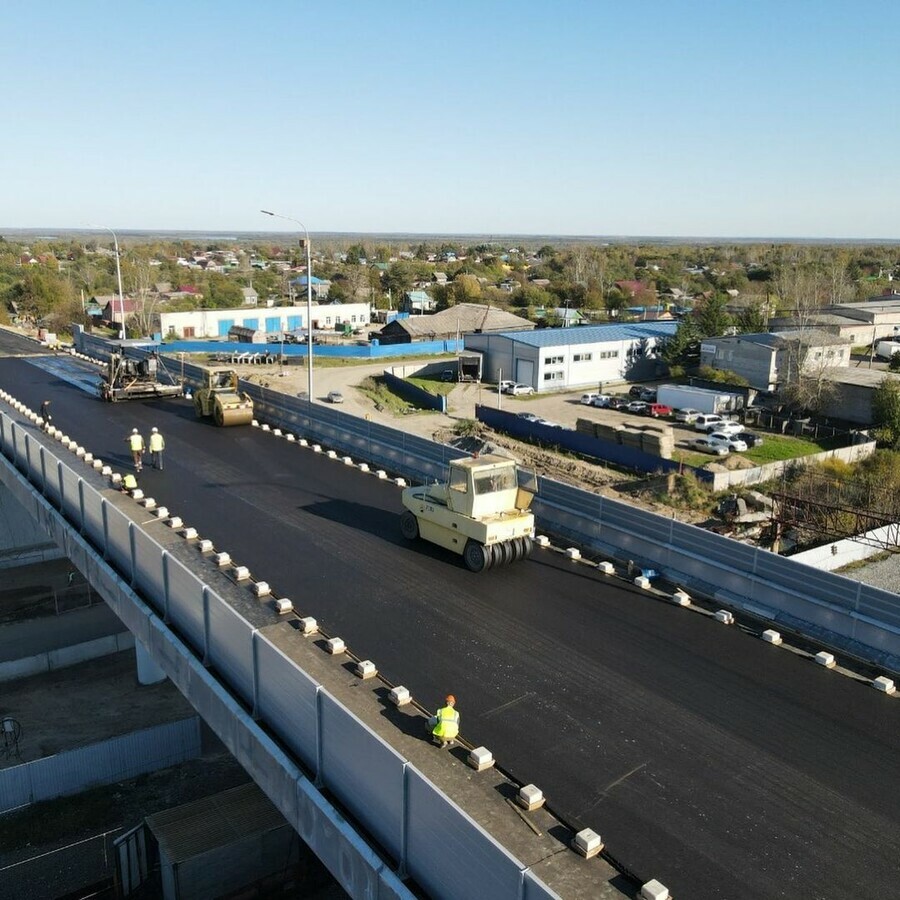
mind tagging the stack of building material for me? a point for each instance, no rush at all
(658, 440)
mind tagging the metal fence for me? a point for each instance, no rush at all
(408, 815)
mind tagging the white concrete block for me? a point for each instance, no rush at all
(137, 494)
(62, 438)
(205, 545)
(148, 503)
(606, 567)
(642, 581)
(264, 428)
(365, 669)
(480, 759)
(106, 470)
(331, 454)
(317, 448)
(80, 452)
(240, 573)
(573, 553)
(587, 843)
(347, 461)
(283, 606)
(530, 797)
(363, 467)
(770, 636)
(883, 683)
(261, 588)
(290, 438)
(655, 890)
(189, 534)
(115, 479)
(335, 646)
(824, 658)
(255, 423)
(308, 625)
(303, 442)
(725, 617)
(98, 465)
(399, 696)
(681, 598)
(542, 540)
(175, 523)
(88, 458)
(400, 482)
(222, 559)
(381, 474)
(277, 432)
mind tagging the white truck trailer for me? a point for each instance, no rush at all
(682, 396)
(887, 349)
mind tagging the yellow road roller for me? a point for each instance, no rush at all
(220, 397)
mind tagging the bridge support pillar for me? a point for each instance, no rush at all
(148, 672)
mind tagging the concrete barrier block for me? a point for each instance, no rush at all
(148, 503)
(137, 494)
(335, 646)
(205, 545)
(530, 797)
(365, 669)
(331, 454)
(308, 625)
(642, 581)
(189, 534)
(363, 467)
(290, 438)
(317, 448)
(255, 423)
(88, 458)
(80, 451)
(400, 696)
(261, 588)
(264, 428)
(400, 482)
(480, 759)
(277, 432)
(725, 617)
(681, 598)
(283, 606)
(98, 465)
(222, 559)
(175, 523)
(587, 843)
(240, 573)
(542, 540)
(347, 460)
(303, 442)
(885, 684)
(115, 479)
(381, 474)
(573, 553)
(824, 658)
(606, 567)
(161, 512)
(655, 890)
(770, 636)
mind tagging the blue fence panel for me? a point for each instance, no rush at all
(364, 771)
(287, 700)
(230, 645)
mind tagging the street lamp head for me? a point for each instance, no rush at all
(266, 212)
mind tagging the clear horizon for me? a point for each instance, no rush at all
(685, 120)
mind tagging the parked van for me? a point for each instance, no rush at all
(708, 422)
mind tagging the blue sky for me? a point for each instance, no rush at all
(683, 118)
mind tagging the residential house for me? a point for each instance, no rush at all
(458, 320)
(251, 298)
(417, 303)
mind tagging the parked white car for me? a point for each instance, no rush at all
(601, 401)
(504, 386)
(519, 388)
(707, 446)
(688, 415)
(588, 399)
(732, 443)
(729, 428)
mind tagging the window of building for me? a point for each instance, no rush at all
(189, 331)
(327, 320)
(609, 354)
(582, 357)
(554, 360)
(554, 376)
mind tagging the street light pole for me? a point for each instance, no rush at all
(118, 278)
(309, 330)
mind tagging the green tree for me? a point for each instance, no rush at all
(886, 413)
(682, 348)
(711, 317)
(222, 292)
(752, 318)
(466, 289)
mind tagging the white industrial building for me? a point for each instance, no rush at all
(566, 358)
(213, 323)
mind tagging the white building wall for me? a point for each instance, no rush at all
(207, 322)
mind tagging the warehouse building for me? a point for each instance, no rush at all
(568, 358)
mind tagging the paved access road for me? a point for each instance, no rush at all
(721, 765)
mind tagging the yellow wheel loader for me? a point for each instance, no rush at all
(220, 398)
(480, 513)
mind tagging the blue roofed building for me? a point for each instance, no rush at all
(556, 359)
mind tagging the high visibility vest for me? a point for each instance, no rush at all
(157, 444)
(136, 442)
(129, 482)
(447, 726)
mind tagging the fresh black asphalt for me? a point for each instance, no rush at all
(723, 766)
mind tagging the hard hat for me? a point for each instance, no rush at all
(451, 698)
(154, 430)
(134, 431)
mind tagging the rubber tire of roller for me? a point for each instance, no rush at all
(504, 553)
(476, 556)
(409, 525)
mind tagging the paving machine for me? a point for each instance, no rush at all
(220, 398)
(137, 379)
(480, 512)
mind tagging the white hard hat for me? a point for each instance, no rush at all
(154, 430)
(134, 431)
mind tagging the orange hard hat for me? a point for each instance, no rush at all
(451, 698)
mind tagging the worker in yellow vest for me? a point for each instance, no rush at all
(157, 445)
(445, 723)
(129, 483)
(136, 445)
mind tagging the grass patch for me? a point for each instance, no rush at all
(377, 390)
(862, 563)
(776, 447)
(433, 385)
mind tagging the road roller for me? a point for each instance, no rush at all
(481, 512)
(220, 398)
